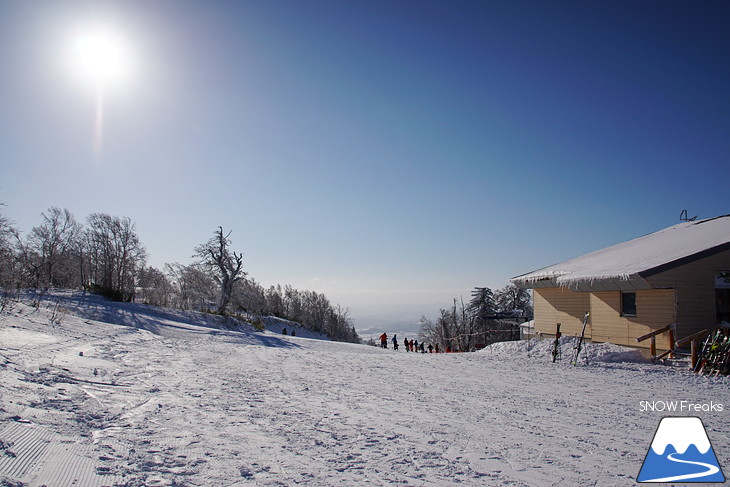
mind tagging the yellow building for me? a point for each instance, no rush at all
(678, 275)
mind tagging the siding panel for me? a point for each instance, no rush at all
(560, 305)
(695, 285)
(654, 309)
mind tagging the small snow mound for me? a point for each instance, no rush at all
(608, 352)
(511, 348)
(542, 350)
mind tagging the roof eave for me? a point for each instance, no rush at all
(629, 283)
(685, 260)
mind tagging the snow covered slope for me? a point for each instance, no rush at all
(95, 393)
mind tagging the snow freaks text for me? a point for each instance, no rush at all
(680, 406)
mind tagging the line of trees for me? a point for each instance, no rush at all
(106, 256)
(489, 317)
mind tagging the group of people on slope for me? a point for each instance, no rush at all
(409, 345)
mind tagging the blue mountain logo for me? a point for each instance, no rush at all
(681, 452)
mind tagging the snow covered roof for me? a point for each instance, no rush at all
(626, 265)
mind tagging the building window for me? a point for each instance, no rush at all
(628, 304)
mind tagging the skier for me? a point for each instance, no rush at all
(384, 340)
(395, 342)
(437, 348)
(415, 347)
(410, 345)
(430, 348)
(423, 349)
(283, 332)
(405, 344)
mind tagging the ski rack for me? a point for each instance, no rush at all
(715, 355)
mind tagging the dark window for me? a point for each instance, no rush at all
(628, 304)
(723, 305)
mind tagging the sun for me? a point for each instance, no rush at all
(100, 59)
(101, 56)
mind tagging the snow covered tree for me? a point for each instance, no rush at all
(431, 332)
(293, 307)
(466, 327)
(194, 287)
(445, 331)
(114, 255)
(250, 296)
(8, 258)
(225, 265)
(154, 286)
(340, 326)
(482, 303)
(53, 245)
(275, 301)
(512, 299)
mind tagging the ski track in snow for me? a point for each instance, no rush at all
(160, 400)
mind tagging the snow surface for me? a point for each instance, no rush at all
(626, 260)
(95, 393)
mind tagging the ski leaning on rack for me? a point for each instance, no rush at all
(556, 346)
(579, 347)
(701, 360)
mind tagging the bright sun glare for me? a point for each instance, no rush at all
(100, 59)
(101, 56)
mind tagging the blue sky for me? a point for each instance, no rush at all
(392, 154)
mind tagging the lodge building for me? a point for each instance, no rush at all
(679, 275)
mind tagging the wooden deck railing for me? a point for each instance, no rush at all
(670, 328)
(674, 344)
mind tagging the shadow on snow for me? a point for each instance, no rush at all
(165, 322)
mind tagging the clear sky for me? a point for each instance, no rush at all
(385, 153)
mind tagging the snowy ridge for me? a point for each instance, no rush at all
(680, 432)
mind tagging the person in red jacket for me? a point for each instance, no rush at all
(384, 340)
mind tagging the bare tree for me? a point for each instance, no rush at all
(156, 289)
(7, 256)
(466, 327)
(275, 301)
(193, 285)
(445, 331)
(54, 243)
(225, 265)
(114, 255)
(250, 297)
